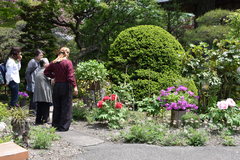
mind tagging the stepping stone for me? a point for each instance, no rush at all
(79, 139)
(12, 151)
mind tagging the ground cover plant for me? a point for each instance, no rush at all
(41, 138)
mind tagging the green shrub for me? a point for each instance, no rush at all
(143, 54)
(149, 132)
(112, 111)
(228, 141)
(175, 139)
(79, 111)
(213, 17)
(197, 137)
(6, 138)
(41, 138)
(191, 119)
(150, 105)
(91, 70)
(205, 34)
(4, 113)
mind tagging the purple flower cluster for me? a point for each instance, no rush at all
(23, 94)
(178, 98)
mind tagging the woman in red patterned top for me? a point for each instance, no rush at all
(61, 70)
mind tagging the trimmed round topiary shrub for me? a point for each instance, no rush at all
(142, 54)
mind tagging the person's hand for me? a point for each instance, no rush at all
(52, 81)
(75, 91)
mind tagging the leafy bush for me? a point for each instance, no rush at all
(4, 112)
(112, 111)
(142, 54)
(91, 70)
(234, 23)
(174, 139)
(211, 26)
(150, 105)
(6, 138)
(205, 34)
(228, 141)
(225, 114)
(125, 93)
(79, 111)
(149, 132)
(214, 17)
(197, 137)
(41, 138)
(191, 119)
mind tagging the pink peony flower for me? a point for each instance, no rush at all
(114, 97)
(118, 105)
(222, 105)
(100, 104)
(106, 98)
(231, 102)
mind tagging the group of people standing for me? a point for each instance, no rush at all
(47, 84)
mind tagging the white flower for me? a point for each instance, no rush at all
(2, 126)
(222, 105)
(231, 102)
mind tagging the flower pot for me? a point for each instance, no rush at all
(176, 118)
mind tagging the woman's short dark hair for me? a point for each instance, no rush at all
(15, 51)
(41, 63)
(37, 52)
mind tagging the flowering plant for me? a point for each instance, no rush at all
(112, 111)
(225, 113)
(178, 98)
(22, 95)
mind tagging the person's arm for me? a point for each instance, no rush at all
(30, 69)
(71, 77)
(9, 68)
(49, 71)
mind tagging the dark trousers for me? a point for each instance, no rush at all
(32, 105)
(42, 112)
(62, 106)
(14, 88)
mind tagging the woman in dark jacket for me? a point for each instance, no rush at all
(61, 70)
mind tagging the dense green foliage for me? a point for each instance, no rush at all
(213, 17)
(234, 23)
(154, 133)
(36, 33)
(41, 138)
(4, 112)
(205, 34)
(191, 119)
(91, 71)
(94, 24)
(214, 71)
(211, 25)
(144, 54)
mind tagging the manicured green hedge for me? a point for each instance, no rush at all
(143, 55)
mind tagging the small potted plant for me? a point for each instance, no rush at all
(23, 96)
(178, 100)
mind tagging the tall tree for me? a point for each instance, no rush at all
(96, 23)
(37, 33)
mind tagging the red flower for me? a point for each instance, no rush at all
(106, 98)
(100, 104)
(114, 97)
(118, 105)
